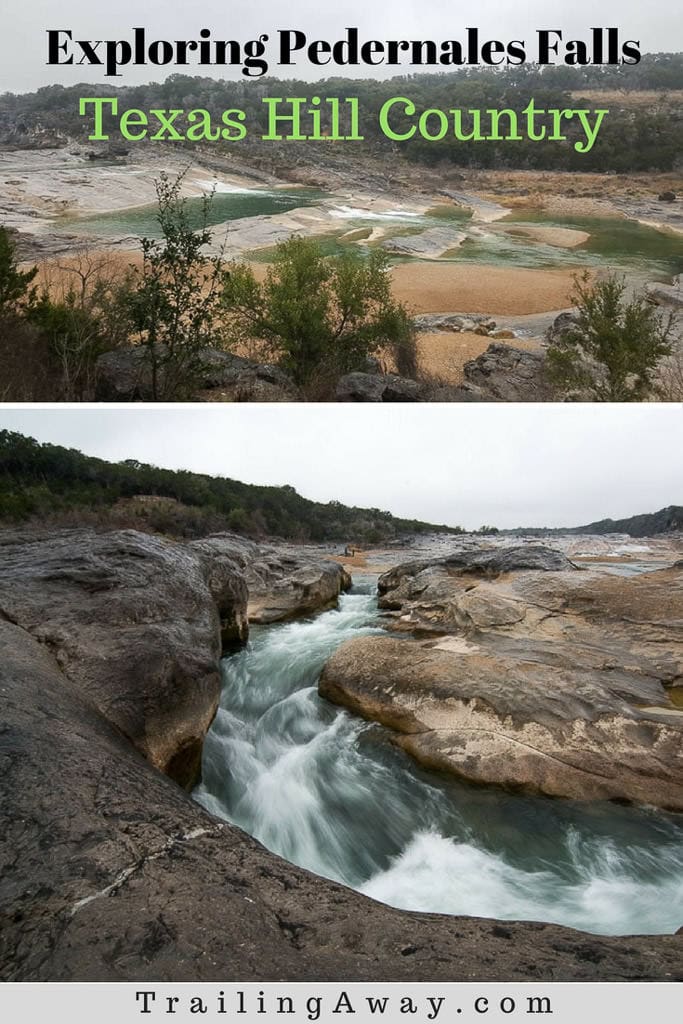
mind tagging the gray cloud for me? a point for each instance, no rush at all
(509, 465)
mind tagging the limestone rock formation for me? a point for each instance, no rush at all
(138, 623)
(667, 294)
(132, 624)
(283, 582)
(377, 387)
(429, 244)
(110, 872)
(123, 375)
(561, 327)
(558, 682)
(507, 374)
(456, 323)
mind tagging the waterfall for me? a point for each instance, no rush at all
(330, 793)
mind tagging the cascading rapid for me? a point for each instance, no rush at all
(328, 792)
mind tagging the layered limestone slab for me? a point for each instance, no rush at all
(549, 679)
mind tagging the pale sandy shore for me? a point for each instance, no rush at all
(479, 288)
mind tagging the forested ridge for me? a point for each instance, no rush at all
(646, 134)
(646, 524)
(43, 481)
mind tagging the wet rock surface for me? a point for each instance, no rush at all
(546, 679)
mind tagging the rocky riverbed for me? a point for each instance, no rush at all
(515, 667)
(109, 679)
(506, 245)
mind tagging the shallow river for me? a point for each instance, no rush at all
(327, 791)
(623, 244)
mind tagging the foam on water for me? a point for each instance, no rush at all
(328, 792)
(352, 213)
(208, 185)
(608, 891)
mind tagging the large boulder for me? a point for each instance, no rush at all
(139, 622)
(562, 326)
(133, 624)
(553, 682)
(234, 379)
(110, 872)
(508, 374)
(285, 583)
(124, 375)
(378, 387)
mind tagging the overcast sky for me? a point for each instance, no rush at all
(506, 465)
(657, 25)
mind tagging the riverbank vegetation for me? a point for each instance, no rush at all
(312, 319)
(49, 483)
(614, 347)
(315, 316)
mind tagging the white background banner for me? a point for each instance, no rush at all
(341, 1003)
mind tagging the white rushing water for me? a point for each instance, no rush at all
(328, 792)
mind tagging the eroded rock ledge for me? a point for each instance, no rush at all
(110, 872)
(530, 674)
(139, 622)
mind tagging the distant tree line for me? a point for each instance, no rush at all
(49, 482)
(641, 137)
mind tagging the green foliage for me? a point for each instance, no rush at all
(63, 326)
(76, 336)
(616, 347)
(174, 302)
(319, 313)
(14, 283)
(47, 481)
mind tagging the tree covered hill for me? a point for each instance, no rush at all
(649, 524)
(46, 481)
(637, 135)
